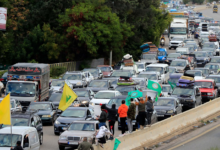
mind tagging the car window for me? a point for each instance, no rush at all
(33, 138)
(35, 120)
(88, 112)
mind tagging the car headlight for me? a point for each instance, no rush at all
(63, 138)
(79, 83)
(170, 111)
(84, 102)
(209, 93)
(57, 122)
(91, 103)
(46, 116)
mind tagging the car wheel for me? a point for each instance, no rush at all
(56, 133)
(61, 147)
(41, 139)
(169, 48)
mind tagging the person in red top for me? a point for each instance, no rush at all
(122, 111)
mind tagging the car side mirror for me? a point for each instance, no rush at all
(26, 145)
(215, 87)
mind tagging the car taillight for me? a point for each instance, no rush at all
(1, 79)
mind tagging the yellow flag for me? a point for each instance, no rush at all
(5, 111)
(67, 98)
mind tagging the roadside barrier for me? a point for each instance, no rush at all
(165, 127)
(70, 66)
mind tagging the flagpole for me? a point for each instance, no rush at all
(10, 117)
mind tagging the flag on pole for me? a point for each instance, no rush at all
(155, 87)
(67, 98)
(172, 85)
(5, 111)
(133, 94)
(117, 142)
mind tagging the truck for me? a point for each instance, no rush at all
(28, 82)
(178, 28)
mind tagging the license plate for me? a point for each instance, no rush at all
(73, 143)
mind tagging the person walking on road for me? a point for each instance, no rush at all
(131, 115)
(112, 115)
(122, 111)
(141, 111)
(85, 145)
(18, 146)
(103, 117)
(150, 110)
(100, 137)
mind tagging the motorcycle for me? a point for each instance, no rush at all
(162, 42)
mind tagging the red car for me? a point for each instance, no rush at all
(208, 89)
(106, 70)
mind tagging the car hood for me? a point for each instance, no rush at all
(163, 107)
(107, 73)
(56, 103)
(100, 101)
(56, 88)
(201, 58)
(182, 97)
(78, 133)
(43, 112)
(206, 90)
(82, 99)
(74, 81)
(148, 61)
(96, 89)
(171, 58)
(5, 148)
(175, 41)
(179, 68)
(198, 77)
(68, 119)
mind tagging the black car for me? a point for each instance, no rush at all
(97, 85)
(167, 106)
(30, 119)
(202, 58)
(72, 114)
(124, 89)
(216, 78)
(45, 110)
(84, 96)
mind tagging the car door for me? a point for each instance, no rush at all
(178, 107)
(54, 112)
(88, 115)
(84, 80)
(26, 142)
(198, 96)
(34, 140)
(216, 90)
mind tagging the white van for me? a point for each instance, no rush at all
(162, 68)
(19, 134)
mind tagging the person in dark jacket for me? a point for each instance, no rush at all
(150, 109)
(103, 117)
(112, 116)
(18, 147)
(85, 145)
(131, 115)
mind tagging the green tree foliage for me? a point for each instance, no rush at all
(197, 1)
(186, 1)
(95, 29)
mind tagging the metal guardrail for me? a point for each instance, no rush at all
(70, 66)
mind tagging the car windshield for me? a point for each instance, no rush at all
(183, 91)
(20, 89)
(116, 101)
(215, 60)
(195, 73)
(72, 77)
(113, 81)
(121, 73)
(82, 127)
(18, 122)
(176, 30)
(166, 89)
(98, 84)
(104, 69)
(161, 54)
(155, 69)
(164, 102)
(5, 75)
(178, 63)
(140, 66)
(173, 80)
(94, 72)
(173, 55)
(172, 70)
(204, 71)
(74, 113)
(38, 106)
(149, 57)
(82, 93)
(9, 140)
(104, 95)
(208, 46)
(124, 90)
(217, 79)
(58, 82)
(204, 84)
(148, 76)
(201, 54)
(210, 66)
(55, 97)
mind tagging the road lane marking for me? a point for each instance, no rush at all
(194, 137)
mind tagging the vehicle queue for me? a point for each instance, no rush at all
(195, 53)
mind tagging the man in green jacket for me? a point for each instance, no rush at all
(85, 145)
(131, 115)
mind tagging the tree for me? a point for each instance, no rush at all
(92, 30)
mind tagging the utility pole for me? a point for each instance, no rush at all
(110, 59)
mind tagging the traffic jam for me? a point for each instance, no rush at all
(188, 76)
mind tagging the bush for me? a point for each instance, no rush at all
(2, 72)
(84, 64)
(57, 71)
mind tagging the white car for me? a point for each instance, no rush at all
(103, 97)
(15, 105)
(176, 42)
(89, 77)
(18, 134)
(141, 66)
(57, 85)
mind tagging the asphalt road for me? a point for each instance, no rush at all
(211, 139)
